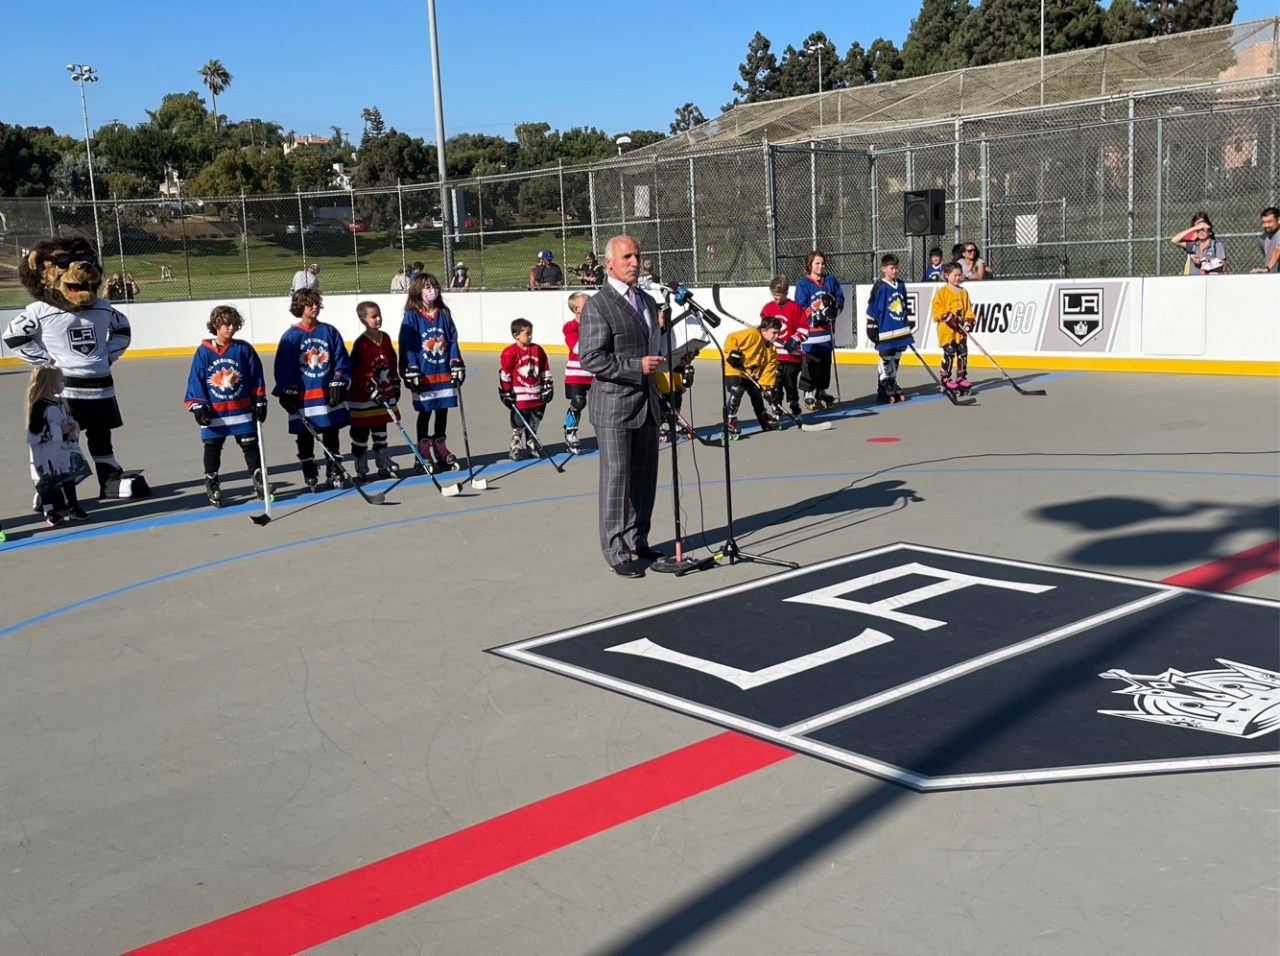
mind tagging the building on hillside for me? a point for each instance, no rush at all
(343, 177)
(319, 143)
(171, 187)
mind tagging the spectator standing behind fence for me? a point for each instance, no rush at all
(400, 281)
(545, 274)
(972, 266)
(460, 280)
(933, 271)
(122, 290)
(308, 278)
(1269, 241)
(1206, 255)
(590, 273)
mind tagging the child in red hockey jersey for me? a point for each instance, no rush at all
(375, 383)
(524, 384)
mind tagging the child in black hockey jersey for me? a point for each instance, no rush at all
(54, 437)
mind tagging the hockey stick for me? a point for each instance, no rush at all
(447, 490)
(835, 371)
(780, 411)
(479, 484)
(1016, 387)
(537, 445)
(715, 297)
(937, 381)
(376, 498)
(263, 519)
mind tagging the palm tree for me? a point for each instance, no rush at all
(337, 136)
(217, 78)
(366, 115)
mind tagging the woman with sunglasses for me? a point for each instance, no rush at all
(1206, 255)
(972, 265)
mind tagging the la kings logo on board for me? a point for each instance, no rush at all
(82, 339)
(1080, 313)
(1240, 700)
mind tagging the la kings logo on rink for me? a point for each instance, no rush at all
(1080, 313)
(82, 339)
(1239, 700)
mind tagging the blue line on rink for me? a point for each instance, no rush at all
(84, 533)
(9, 629)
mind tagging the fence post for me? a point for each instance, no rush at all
(355, 239)
(591, 197)
(404, 263)
(622, 198)
(564, 227)
(693, 209)
(186, 257)
(656, 210)
(957, 173)
(1159, 189)
(1129, 244)
(115, 205)
(302, 231)
(248, 269)
(771, 206)
(983, 170)
(480, 213)
(875, 203)
(48, 203)
(813, 191)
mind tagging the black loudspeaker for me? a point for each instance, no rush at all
(924, 212)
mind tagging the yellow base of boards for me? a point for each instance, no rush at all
(1075, 363)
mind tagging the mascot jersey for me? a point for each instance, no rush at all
(887, 308)
(819, 338)
(83, 344)
(308, 360)
(229, 380)
(429, 343)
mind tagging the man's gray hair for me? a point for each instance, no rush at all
(609, 246)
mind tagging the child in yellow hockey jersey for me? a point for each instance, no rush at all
(751, 365)
(952, 313)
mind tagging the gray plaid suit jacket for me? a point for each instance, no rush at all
(612, 338)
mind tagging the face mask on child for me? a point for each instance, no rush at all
(430, 294)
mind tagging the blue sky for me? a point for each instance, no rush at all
(314, 64)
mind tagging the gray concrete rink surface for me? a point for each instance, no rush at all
(315, 696)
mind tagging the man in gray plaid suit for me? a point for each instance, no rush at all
(618, 344)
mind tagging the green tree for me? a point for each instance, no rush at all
(377, 126)
(392, 158)
(883, 60)
(309, 169)
(816, 63)
(687, 117)
(1140, 19)
(1002, 30)
(759, 72)
(125, 186)
(231, 172)
(640, 138)
(217, 78)
(932, 44)
(26, 165)
(854, 68)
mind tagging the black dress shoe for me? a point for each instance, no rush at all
(627, 569)
(648, 554)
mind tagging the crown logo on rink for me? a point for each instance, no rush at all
(1240, 700)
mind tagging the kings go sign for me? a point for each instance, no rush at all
(938, 669)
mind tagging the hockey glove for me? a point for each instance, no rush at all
(337, 393)
(735, 359)
(873, 332)
(260, 410)
(289, 400)
(457, 374)
(792, 345)
(413, 380)
(508, 397)
(548, 393)
(967, 325)
(773, 395)
(203, 414)
(827, 308)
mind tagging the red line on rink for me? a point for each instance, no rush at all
(1233, 571)
(344, 903)
(349, 901)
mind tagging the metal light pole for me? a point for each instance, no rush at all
(818, 50)
(82, 74)
(446, 213)
(621, 141)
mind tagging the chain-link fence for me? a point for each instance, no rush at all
(1086, 189)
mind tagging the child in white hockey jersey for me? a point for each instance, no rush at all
(53, 436)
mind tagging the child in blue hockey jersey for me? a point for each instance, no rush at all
(312, 372)
(889, 328)
(818, 293)
(227, 394)
(431, 366)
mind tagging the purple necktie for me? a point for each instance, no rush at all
(634, 298)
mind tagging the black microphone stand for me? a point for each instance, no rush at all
(678, 564)
(730, 549)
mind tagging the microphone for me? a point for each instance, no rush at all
(684, 297)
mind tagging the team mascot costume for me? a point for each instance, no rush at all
(70, 327)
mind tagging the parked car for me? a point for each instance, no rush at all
(323, 229)
(291, 229)
(356, 225)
